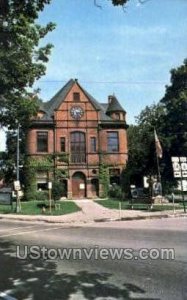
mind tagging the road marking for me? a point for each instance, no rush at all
(6, 297)
(15, 228)
(31, 231)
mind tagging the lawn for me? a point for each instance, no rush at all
(35, 208)
(114, 204)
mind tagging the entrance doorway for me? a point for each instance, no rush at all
(78, 185)
(64, 189)
(95, 187)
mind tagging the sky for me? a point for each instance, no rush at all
(128, 52)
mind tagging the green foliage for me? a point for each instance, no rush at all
(62, 157)
(34, 208)
(57, 189)
(41, 195)
(29, 182)
(175, 103)
(169, 118)
(119, 2)
(21, 60)
(115, 192)
(142, 157)
(113, 204)
(44, 163)
(104, 179)
(61, 173)
(9, 157)
(32, 166)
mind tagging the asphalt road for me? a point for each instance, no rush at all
(91, 273)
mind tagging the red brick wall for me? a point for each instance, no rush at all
(65, 124)
(32, 141)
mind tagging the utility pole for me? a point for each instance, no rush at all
(18, 206)
(17, 155)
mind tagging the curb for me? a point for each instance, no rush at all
(74, 222)
(141, 218)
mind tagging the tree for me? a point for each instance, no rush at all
(22, 61)
(142, 153)
(58, 189)
(120, 2)
(169, 118)
(175, 120)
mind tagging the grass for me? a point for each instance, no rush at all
(114, 204)
(35, 208)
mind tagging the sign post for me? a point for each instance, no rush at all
(50, 191)
(173, 201)
(120, 210)
(17, 188)
(180, 171)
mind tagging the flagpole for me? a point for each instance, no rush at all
(159, 175)
(157, 160)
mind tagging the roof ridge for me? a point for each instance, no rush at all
(55, 101)
(69, 81)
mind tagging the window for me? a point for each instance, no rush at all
(117, 116)
(62, 144)
(76, 97)
(42, 186)
(112, 141)
(93, 144)
(78, 147)
(42, 141)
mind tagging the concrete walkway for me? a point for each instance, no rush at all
(93, 212)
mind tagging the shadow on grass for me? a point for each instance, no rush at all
(39, 279)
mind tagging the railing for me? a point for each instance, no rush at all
(78, 158)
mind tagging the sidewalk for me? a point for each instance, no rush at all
(93, 212)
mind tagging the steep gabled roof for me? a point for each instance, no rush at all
(53, 104)
(59, 97)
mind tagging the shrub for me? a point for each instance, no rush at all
(115, 192)
(57, 189)
(41, 195)
(104, 179)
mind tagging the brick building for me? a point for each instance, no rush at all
(84, 134)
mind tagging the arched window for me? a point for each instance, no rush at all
(78, 147)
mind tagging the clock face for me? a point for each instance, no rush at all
(76, 112)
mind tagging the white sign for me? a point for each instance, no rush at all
(179, 166)
(50, 185)
(177, 174)
(82, 186)
(145, 182)
(17, 185)
(184, 185)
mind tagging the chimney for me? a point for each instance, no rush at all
(110, 99)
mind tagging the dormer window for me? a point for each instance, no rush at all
(76, 97)
(117, 116)
(40, 114)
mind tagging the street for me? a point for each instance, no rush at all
(32, 273)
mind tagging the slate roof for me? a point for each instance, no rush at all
(53, 104)
(114, 105)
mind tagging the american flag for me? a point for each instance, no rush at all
(158, 146)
